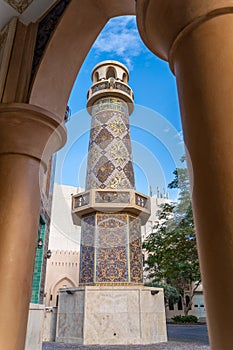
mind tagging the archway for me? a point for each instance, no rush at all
(193, 36)
(183, 35)
(63, 282)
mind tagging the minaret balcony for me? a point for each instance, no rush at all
(110, 201)
(112, 88)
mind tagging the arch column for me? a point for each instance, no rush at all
(25, 131)
(195, 36)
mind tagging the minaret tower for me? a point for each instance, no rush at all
(110, 209)
(111, 305)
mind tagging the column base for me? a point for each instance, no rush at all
(109, 315)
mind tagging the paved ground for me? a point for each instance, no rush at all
(180, 338)
(186, 333)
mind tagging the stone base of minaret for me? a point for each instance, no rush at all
(111, 315)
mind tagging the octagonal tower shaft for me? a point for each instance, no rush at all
(110, 208)
(110, 154)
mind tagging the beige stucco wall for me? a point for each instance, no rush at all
(64, 243)
(62, 271)
(35, 327)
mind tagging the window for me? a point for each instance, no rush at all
(170, 304)
(180, 305)
(187, 301)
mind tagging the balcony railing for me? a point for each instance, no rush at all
(104, 85)
(81, 200)
(141, 201)
(112, 197)
(107, 200)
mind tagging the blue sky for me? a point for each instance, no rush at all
(155, 124)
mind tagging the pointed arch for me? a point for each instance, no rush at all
(124, 78)
(61, 281)
(111, 73)
(96, 77)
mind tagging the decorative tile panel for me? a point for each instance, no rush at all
(87, 249)
(110, 104)
(6, 43)
(117, 127)
(104, 138)
(110, 156)
(113, 197)
(103, 169)
(19, 5)
(46, 28)
(135, 250)
(128, 170)
(112, 248)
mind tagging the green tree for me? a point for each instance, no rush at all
(170, 293)
(172, 256)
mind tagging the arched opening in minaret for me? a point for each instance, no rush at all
(111, 73)
(124, 78)
(96, 77)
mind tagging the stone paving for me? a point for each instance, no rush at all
(194, 337)
(162, 346)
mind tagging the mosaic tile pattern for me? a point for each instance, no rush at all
(135, 250)
(19, 5)
(46, 28)
(86, 274)
(112, 196)
(110, 153)
(111, 242)
(7, 35)
(112, 248)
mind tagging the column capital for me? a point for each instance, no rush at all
(163, 23)
(30, 130)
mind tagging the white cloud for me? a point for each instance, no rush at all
(120, 38)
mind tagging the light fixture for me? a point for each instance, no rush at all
(39, 243)
(153, 292)
(68, 291)
(49, 254)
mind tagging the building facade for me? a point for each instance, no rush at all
(64, 244)
(42, 251)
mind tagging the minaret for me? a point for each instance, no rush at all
(111, 305)
(110, 210)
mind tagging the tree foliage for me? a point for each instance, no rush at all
(171, 248)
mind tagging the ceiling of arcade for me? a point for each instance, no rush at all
(26, 10)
